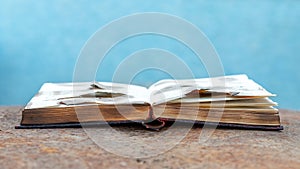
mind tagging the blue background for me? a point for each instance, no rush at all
(40, 41)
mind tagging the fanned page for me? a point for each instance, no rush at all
(85, 93)
(234, 87)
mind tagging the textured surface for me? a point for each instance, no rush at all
(72, 148)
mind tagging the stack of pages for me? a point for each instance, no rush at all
(228, 101)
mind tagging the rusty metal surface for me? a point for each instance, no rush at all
(72, 148)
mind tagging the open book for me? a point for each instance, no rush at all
(229, 101)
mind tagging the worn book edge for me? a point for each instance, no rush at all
(167, 122)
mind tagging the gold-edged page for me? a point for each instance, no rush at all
(244, 118)
(256, 102)
(212, 99)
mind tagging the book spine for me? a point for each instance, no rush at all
(153, 123)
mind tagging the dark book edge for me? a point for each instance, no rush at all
(222, 125)
(77, 125)
(166, 122)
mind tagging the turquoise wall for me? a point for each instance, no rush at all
(40, 41)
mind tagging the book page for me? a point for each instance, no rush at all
(239, 85)
(167, 90)
(67, 94)
(234, 87)
(206, 102)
